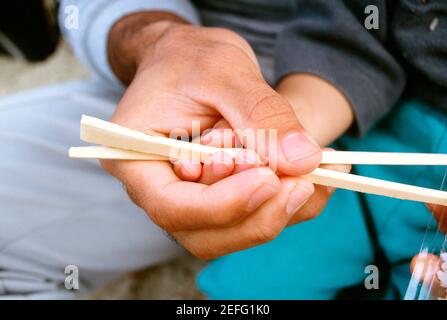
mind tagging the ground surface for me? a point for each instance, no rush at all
(171, 280)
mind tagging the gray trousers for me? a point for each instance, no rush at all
(56, 212)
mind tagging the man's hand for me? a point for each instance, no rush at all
(182, 74)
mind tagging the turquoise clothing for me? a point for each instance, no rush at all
(319, 258)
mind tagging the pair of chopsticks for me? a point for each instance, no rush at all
(119, 143)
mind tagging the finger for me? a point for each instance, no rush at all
(222, 124)
(220, 136)
(246, 159)
(263, 226)
(316, 204)
(187, 170)
(224, 137)
(426, 268)
(219, 166)
(177, 205)
(264, 121)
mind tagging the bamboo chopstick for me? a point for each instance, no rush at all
(131, 144)
(101, 152)
(329, 157)
(384, 158)
(363, 184)
(108, 134)
(123, 143)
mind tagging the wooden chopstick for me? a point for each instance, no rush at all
(124, 143)
(384, 158)
(129, 141)
(108, 134)
(363, 184)
(101, 152)
(329, 157)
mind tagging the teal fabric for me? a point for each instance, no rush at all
(319, 258)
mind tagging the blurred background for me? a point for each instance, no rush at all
(33, 54)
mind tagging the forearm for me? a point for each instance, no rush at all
(321, 108)
(132, 35)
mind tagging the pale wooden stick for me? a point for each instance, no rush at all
(329, 157)
(108, 134)
(384, 158)
(101, 132)
(101, 152)
(363, 184)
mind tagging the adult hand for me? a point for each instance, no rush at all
(180, 74)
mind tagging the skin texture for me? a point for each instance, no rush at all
(312, 97)
(177, 74)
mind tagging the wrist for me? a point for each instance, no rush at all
(131, 37)
(321, 108)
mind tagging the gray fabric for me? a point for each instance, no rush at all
(56, 211)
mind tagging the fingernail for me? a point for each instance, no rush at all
(261, 195)
(297, 197)
(297, 146)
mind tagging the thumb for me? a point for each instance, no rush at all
(265, 121)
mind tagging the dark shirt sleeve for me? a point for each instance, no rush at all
(329, 39)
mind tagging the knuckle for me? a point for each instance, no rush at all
(179, 33)
(309, 214)
(270, 226)
(311, 209)
(225, 33)
(220, 55)
(266, 232)
(264, 105)
(231, 215)
(229, 36)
